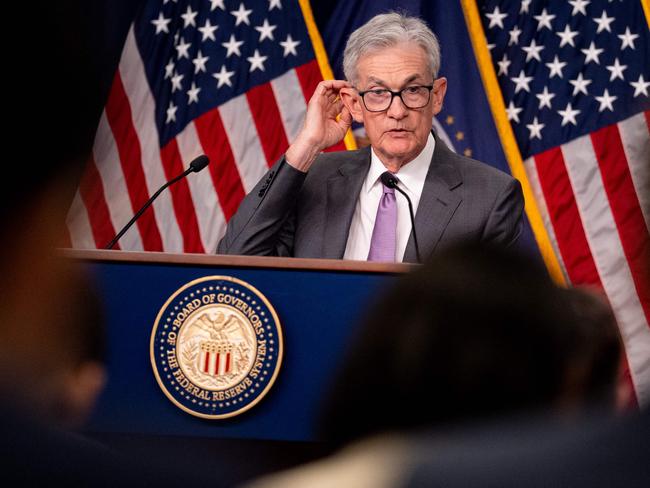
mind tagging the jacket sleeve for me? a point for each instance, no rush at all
(505, 221)
(264, 223)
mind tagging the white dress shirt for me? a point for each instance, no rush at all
(411, 179)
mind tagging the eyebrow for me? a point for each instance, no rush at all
(372, 79)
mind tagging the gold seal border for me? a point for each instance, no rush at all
(280, 348)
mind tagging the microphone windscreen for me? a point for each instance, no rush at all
(199, 163)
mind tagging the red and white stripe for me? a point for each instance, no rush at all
(593, 195)
(215, 363)
(242, 138)
(132, 74)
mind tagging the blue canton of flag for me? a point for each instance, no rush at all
(568, 68)
(200, 54)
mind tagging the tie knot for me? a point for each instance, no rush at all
(388, 190)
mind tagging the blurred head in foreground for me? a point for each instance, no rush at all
(475, 333)
(51, 328)
(51, 335)
(52, 348)
(594, 354)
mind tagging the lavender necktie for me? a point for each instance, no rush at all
(382, 244)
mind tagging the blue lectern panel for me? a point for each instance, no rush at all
(318, 311)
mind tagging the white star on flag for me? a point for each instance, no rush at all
(545, 98)
(161, 24)
(567, 36)
(640, 86)
(289, 46)
(513, 112)
(503, 65)
(199, 62)
(183, 49)
(606, 101)
(217, 3)
(568, 115)
(532, 51)
(256, 61)
(232, 46)
(176, 82)
(592, 53)
(208, 31)
(535, 129)
(603, 22)
(580, 85)
(189, 17)
(556, 67)
(241, 15)
(627, 39)
(169, 69)
(265, 30)
(514, 36)
(579, 6)
(193, 94)
(171, 112)
(522, 81)
(223, 77)
(544, 20)
(496, 18)
(616, 70)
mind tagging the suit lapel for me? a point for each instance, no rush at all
(437, 202)
(342, 193)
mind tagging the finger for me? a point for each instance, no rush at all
(329, 97)
(335, 108)
(330, 87)
(345, 119)
(333, 98)
(335, 85)
(323, 96)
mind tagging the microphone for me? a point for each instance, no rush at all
(196, 165)
(389, 180)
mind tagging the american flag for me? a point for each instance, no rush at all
(574, 78)
(226, 78)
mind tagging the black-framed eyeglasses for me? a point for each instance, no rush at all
(379, 99)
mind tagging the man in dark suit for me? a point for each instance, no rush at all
(334, 205)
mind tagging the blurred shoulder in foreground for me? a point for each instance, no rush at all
(477, 345)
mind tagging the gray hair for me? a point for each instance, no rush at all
(387, 30)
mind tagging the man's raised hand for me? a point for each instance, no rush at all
(326, 122)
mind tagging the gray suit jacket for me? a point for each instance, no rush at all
(290, 213)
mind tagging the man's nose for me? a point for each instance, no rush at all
(397, 109)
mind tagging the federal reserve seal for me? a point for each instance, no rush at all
(216, 347)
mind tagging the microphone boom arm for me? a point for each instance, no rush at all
(195, 166)
(415, 236)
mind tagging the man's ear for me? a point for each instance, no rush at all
(352, 101)
(438, 94)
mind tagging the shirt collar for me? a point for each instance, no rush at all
(411, 175)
